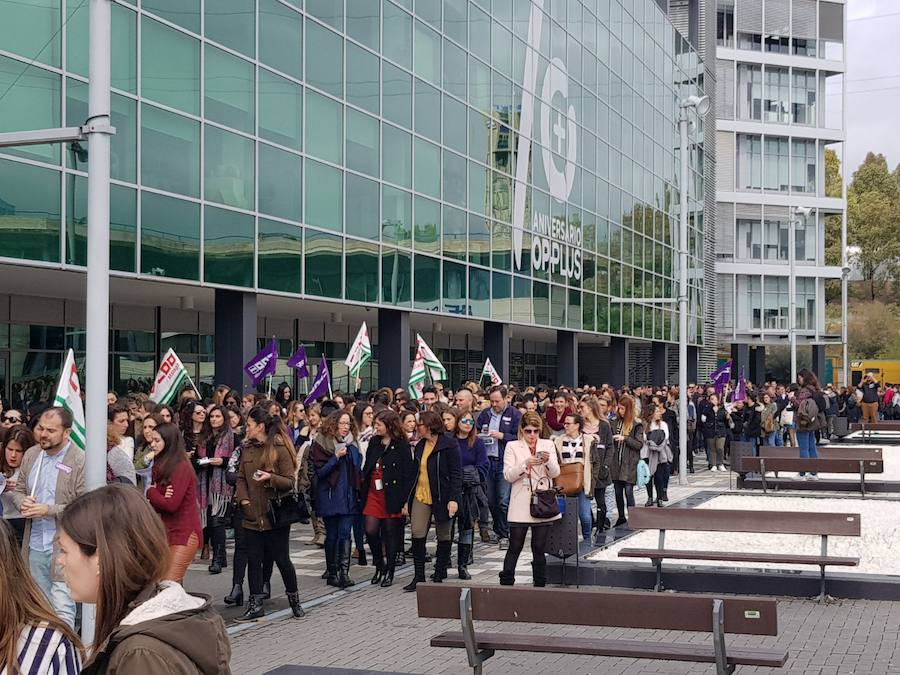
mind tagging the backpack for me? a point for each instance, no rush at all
(769, 424)
(807, 415)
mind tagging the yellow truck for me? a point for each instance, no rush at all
(885, 371)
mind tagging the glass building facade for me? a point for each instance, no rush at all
(371, 152)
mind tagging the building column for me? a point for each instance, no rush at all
(618, 362)
(657, 363)
(235, 337)
(496, 347)
(393, 348)
(693, 358)
(818, 363)
(566, 358)
(740, 358)
(758, 365)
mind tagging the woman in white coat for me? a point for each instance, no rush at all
(529, 464)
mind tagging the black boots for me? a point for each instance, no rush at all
(254, 609)
(463, 551)
(539, 571)
(331, 567)
(388, 578)
(267, 590)
(294, 600)
(507, 577)
(441, 561)
(236, 597)
(418, 551)
(344, 580)
(379, 573)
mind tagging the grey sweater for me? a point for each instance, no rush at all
(120, 465)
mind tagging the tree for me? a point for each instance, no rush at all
(873, 175)
(872, 330)
(833, 188)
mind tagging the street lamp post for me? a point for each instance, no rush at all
(796, 211)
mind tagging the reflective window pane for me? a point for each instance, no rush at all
(280, 184)
(122, 224)
(427, 231)
(428, 110)
(123, 64)
(396, 95)
(228, 247)
(324, 59)
(27, 26)
(362, 78)
(454, 296)
(362, 207)
(455, 233)
(170, 66)
(233, 24)
(363, 143)
(428, 283)
(229, 168)
(31, 102)
(396, 216)
(170, 237)
(123, 145)
(170, 157)
(185, 13)
(479, 292)
(361, 263)
(397, 35)
(428, 53)
(281, 38)
(324, 127)
(324, 196)
(230, 90)
(323, 264)
(328, 11)
(364, 22)
(30, 217)
(398, 167)
(280, 256)
(396, 281)
(428, 168)
(280, 110)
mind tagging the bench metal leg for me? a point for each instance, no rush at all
(658, 562)
(822, 569)
(476, 656)
(862, 478)
(718, 616)
(762, 473)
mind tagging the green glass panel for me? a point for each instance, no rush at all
(281, 38)
(480, 33)
(523, 306)
(455, 124)
(185, 13)
(428, 53)
(31, 102)
(396, 95)
(501, 296)
(430, 10)
(122, 224)
(455, 233)
(479, 85)
(30, 212)
(541, 294)
(280, 256)
(170, 237)
(478, 182)
(428, 168)
(364, 22)
(230, 90)
(479, 292)
(280, 110)
(324, 196)
(280, 183)
(170, 66)
(501, 244)
(362, 207)
(363, 144)
(456, 20)
(398, 167)
(324, 127)
(123, 145)
(362, 78)
(31, 29)
(397, 35)
(396, 216)
(454, 178)
(573, 309)
(228, 247)
(170, 159)
(322, 266)
(361, 262)
(233, 24)
(455, 68)
(479, 240)
(328, 11)
(123, 67)
(428, 283)
(454, 298)
(603, 314)
(428, 111)
(229, 168)
(324, 59)
(396, 279)
(427, 231)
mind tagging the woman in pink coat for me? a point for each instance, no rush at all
(525, 462)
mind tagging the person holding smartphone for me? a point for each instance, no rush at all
(529, 464)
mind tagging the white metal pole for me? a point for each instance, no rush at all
(98, 132)
(683, 302)
(792, 291)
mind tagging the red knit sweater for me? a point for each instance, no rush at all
(180, 513)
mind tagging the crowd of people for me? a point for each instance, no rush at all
(365, 470)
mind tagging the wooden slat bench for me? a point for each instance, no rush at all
(890, 426)
(825, 452)
(606, 608)
(731, 520)
(816, 465)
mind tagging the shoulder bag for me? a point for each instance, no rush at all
(543, 501)
(288, 508)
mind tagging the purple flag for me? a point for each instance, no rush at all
(721, 376)
(740, 392)
(321, 386)
(299, 362)
(263, 363)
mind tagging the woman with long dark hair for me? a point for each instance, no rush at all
(268, 469)
(387, 478)
(145, 623)
(283, 395)
(628, 439)
(16, 441)
(475, 466)
(33, 639)
(173, 494)
(213, 491)
(338, 467)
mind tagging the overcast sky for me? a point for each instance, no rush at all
(873, 81)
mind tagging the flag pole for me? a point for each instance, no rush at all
(269, 386)
(193, 386)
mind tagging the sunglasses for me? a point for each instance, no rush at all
(14, 420)
(467, 420)
(531, 431)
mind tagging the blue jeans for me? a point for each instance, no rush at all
(40, 563)
(774, 439)
(337, 529)
(585, 515)
(807, 442)
(752, 440)
(498, 491)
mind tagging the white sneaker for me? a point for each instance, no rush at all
(799, 476)
(721, 467)
(812, 476)
(712, 468)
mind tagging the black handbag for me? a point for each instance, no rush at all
(288, 509)
(543, 504)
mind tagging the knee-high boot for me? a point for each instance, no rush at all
(442, 560)
(418, 551)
